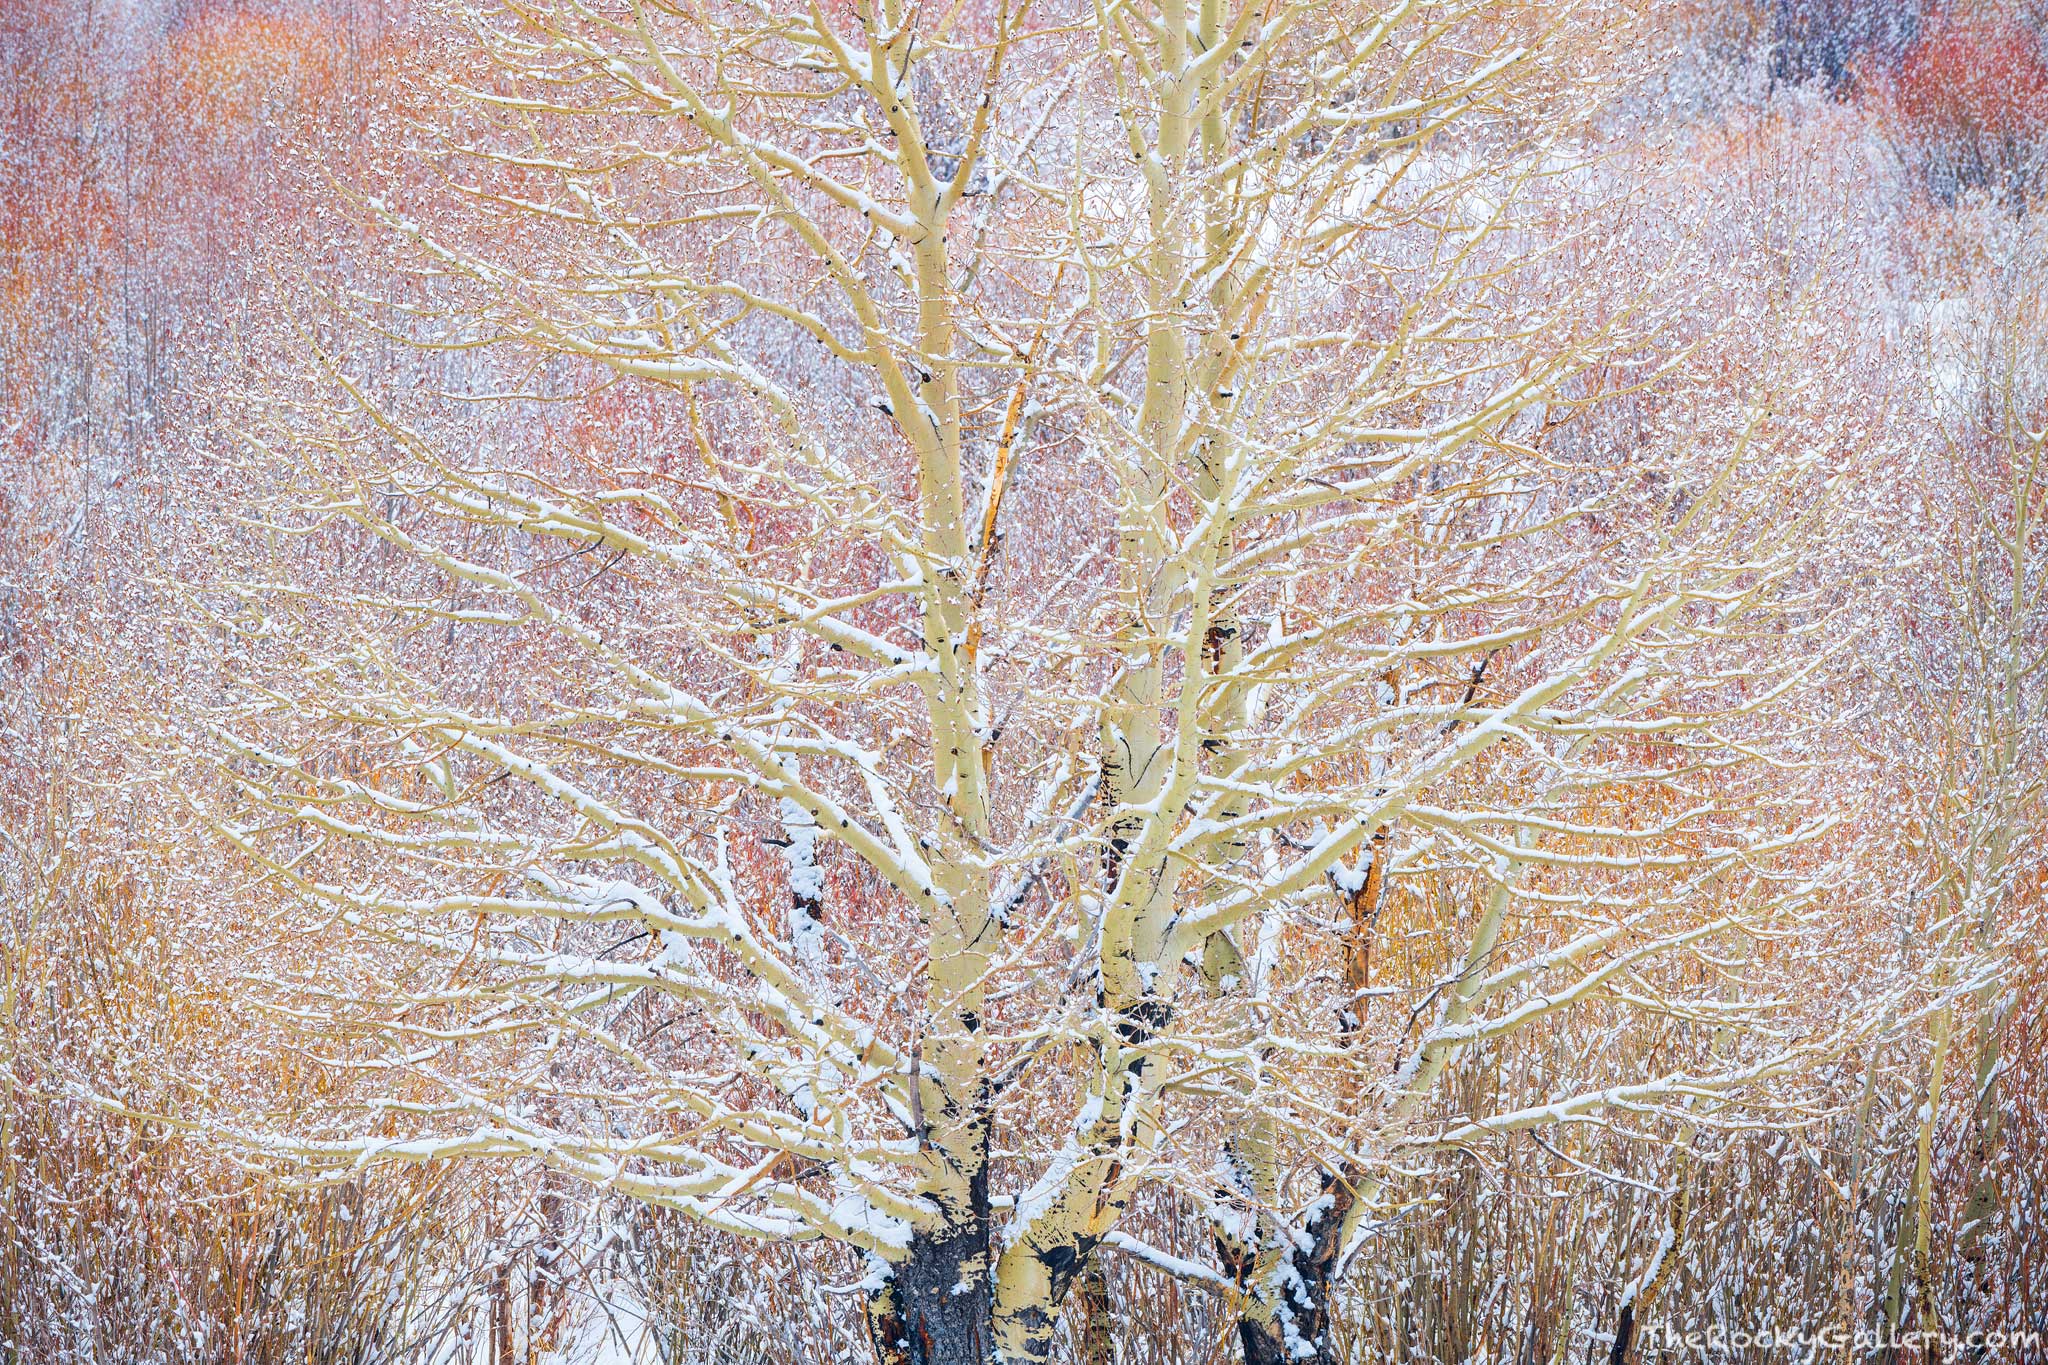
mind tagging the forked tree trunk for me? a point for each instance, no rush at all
(1278, 1328)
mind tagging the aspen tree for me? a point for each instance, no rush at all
(1105, 502)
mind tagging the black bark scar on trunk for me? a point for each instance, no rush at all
(1624, 1332)
(1265, 1341)
(937, 1306)
(939, 1303)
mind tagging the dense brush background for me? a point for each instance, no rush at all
(161, 157)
